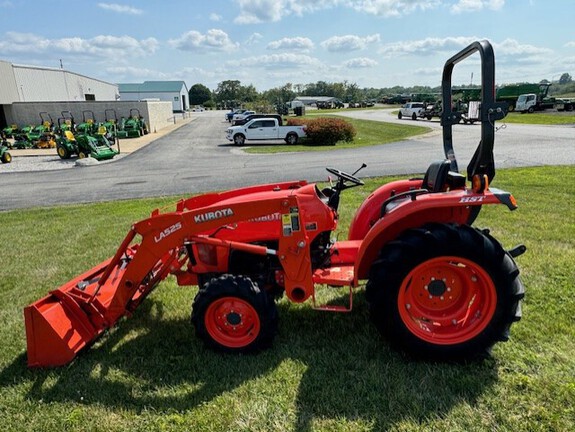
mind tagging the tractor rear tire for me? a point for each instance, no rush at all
(444, 292)
(231, 314)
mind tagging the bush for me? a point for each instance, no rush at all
(328, 131)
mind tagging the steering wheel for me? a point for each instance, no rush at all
(345, 176)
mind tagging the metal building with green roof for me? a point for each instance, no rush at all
(172, 91)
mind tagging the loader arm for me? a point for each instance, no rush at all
(73, 316)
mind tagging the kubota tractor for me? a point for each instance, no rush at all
(437, 287)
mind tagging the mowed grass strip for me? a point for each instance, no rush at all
(542, 118)
(369, 133)
(325, 372)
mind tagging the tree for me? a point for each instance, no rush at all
(565, 78)
(228, 93)
(199, 94)
(231, 94)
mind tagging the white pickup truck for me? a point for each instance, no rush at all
(264, 129)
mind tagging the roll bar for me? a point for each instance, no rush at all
(482, 162)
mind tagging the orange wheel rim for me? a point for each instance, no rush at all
(232, 322)
(447, 300)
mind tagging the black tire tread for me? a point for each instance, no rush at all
(417, 245)
(242, 287)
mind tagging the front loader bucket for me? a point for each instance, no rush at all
(67, 320)
(55, 333)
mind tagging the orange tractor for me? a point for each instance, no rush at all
(437, 287)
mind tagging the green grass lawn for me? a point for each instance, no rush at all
(325, 371)
(369, 133)
(540, 118)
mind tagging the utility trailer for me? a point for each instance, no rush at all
(437, 287)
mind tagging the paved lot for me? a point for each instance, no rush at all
(197, 158)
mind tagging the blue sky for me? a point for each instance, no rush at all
(268, 43)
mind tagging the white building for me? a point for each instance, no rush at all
(20, 83)
(175, 92)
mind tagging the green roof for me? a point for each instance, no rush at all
(153, 87)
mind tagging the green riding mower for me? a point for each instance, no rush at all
(5, 156)
(84, 145)
(110, 124)
(10, 131)
(40, 136)
(134, 126)
(88, 125)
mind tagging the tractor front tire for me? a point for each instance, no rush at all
(63, 152)
(6, 157)
(444, 292)
(231, 314)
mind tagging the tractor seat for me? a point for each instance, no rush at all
(439, 178)
(436, 176)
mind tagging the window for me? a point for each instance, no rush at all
(176, 98)
(90, 97)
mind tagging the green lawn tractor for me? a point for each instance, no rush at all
(84, 145)
(5, 156)
(40, 136)
(110, 124)
(88, 125)
(134, 126)
(10, 131)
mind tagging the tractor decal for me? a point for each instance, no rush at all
(267, 218)
(472, 199)
(170, 230)
(209, 216)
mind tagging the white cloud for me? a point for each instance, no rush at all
(254, 39)
(348, 42)
(102, 46)
(512, 48)
(463, 6)
(392, 8)
(213, 40)
(215, 17)
(261, 11)
(428, 46)
(130, 72)
(296, 43)
(283, 60)
(360, 63)
(114, 7)
(258, 11)
(570, 44)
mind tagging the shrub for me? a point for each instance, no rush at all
(297, 121)
(328, 131)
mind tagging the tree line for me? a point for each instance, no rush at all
(232, 94)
